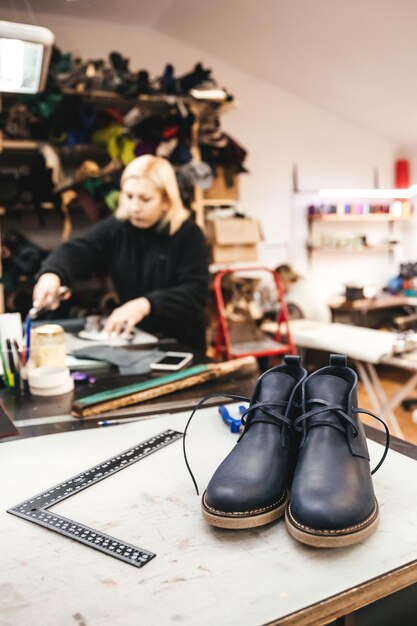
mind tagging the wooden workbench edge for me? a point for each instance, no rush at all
(352, 599)
(357, 597)
(399, 445)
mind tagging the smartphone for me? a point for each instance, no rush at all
(172, 361)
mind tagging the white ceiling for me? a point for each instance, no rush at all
(356, 58)
(144, 12)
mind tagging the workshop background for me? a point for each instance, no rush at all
(324, 87)
(305, 162)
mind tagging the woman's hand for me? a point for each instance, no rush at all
(125, 317)
(46, 290)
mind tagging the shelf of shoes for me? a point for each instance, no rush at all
(79, 95)
(85, 99)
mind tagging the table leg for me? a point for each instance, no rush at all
(372, 383)
(387, 409)
(402, 393)
(366, 382)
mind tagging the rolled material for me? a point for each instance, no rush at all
(99, 403)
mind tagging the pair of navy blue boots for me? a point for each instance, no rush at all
(302, 454)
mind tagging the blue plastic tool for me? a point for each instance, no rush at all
(234, 422)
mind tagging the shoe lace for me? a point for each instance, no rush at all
(300, 422)
(246, 419)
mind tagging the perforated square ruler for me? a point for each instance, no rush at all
(36, 508)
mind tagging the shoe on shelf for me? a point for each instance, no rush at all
(167, 80)
(332, 500)
(249, 488)
(198, 74)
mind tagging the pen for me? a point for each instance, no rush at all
(28, 330)
(12, 367)
(19, 352)
(114, 422)
(5, 372)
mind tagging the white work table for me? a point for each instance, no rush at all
(201, 575)
(367, 347)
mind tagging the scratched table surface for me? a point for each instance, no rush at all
(201, 575)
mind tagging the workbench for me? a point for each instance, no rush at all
(366, 347)
(372, 312)
(35, 415)
(201, 575)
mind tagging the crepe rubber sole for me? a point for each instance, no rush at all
(331, 538)
(244, 519)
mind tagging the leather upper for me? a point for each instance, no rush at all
(332, 487)
(255, 473)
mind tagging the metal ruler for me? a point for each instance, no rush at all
(36, 508)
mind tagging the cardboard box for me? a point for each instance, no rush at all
(234, 254)
(233, 231)
(233, 239)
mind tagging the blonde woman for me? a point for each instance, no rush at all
(155, 254)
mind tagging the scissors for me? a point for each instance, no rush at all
(235, 423)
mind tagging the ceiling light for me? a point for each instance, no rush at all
(25, 51)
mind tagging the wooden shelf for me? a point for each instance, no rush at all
(381, 248)
(157, 102)
(372, 217)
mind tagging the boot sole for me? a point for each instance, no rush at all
(332, 538)
(245, 519)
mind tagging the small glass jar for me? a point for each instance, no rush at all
(47, 346)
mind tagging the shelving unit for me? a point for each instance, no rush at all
(381, 248)
(159, 104)
(71, 156)
(150, 104)
(342, 244)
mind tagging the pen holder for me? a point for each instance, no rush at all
(17, 374)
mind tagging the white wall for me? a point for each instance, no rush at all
(278, 129)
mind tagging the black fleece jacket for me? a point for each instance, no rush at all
(171, 271)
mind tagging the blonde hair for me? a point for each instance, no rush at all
(161, 173)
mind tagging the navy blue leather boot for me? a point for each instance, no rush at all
(332, 498)
(249, 488)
